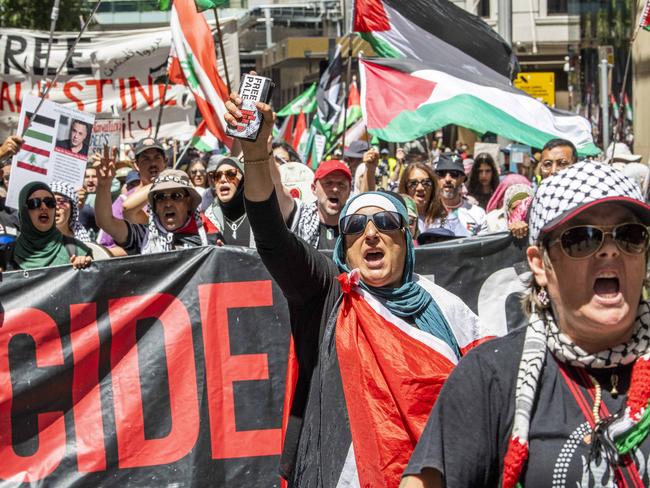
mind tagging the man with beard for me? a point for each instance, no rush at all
(150, 162)
(318, 222)
(225, 217)
(362, 160)
(463, 218)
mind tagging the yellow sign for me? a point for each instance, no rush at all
(538, 85)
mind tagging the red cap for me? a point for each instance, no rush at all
(327, 167)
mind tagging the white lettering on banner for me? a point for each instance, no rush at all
(111, 74)
(494, 292)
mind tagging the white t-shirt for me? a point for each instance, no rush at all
(464, 221)
(358, 174)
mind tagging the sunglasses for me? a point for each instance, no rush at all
(35, 203)
(441, 173)
(62, 202)
(413, 184)
(175, 196)
(197, 172)
(583, 241)
(385, 221)
(230, 174)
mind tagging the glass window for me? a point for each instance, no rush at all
(483, 8)
(557, 6)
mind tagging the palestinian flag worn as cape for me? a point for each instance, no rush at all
(433, 31)
(402, 100)
(193, 62)
(374, 387)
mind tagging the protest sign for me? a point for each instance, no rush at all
(110, 379)
(112, 73)
(55, 148)
(106, 132)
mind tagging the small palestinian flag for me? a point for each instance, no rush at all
(645, 16)
(435, 31)
(305, 103)
(34, 154)
(403, 100)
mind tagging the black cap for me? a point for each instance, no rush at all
(148, 143)
(437, 234)
(450, 162)
(356, 149)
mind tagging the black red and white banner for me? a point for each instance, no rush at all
(168, 370)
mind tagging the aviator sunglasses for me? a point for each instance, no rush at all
(413, 184)
(175, 196)
(34, 203)
(385, 221)
(231, 174)
(583, 241)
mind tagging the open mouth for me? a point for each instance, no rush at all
(224, 190)
(607, 287)
(373, 257)
(153, 171)
(169, 215)
(333, 200)
(44, 218)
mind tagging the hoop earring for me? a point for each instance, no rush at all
(543, 298)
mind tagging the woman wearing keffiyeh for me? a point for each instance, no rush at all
(563, 402)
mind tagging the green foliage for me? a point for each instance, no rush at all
(35, 14)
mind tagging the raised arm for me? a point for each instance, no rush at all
(105, 166)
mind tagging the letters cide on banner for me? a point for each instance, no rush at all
(56, 146)
(108, 379)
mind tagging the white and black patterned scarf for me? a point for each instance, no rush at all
(159, 239)
(67, 190)
(308, 224)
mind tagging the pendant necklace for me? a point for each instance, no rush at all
(235, 225)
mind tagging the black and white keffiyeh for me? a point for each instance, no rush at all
(561, 195)
(67, 190)
(308, 224)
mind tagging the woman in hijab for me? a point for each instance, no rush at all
(40, 244)
(513, 213)
(564, 401)
(373, 341)
(67, 211)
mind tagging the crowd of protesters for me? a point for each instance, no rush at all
(588, 332)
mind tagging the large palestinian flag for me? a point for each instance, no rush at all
(403, 100)
(433, 31)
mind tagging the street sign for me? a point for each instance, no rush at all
(538, 85)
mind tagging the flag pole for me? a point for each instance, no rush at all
(162, 106)
(347, 90)
(63, 64)
(53, 18)
(223, 51)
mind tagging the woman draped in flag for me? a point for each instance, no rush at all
(562, 402)
(373, 342)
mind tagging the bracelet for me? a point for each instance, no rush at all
(259, 161)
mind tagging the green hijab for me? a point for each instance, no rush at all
(36, 249)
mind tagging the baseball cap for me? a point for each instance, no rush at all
(384, 152)
(148, 143)
(577, 188)
(356, 149)
(132, 177)
(450, 162)
(327, 167)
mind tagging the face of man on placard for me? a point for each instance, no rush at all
(78, 134)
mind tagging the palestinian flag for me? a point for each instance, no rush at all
(34, 154)
(299, 131)
(403, 100)
(203, 139)
(193, 62)
(305, 103)
(354, 107)
(375, 384)
(327, 95)
(201, 5)
(645, 16)
(433, 31)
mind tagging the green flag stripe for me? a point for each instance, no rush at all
(469, 112)
(38, 135)
(380, 46)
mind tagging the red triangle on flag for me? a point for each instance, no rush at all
(370, 16)
(301, 126)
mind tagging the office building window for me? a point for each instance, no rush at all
(483, 8)
(558, 6)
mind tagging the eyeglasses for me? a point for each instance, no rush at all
(441, 173)
(62, 202)
(175, 196)
(197, 172)
(231, 175)
(583, 241)
(413, 184)
(279, 159)
(385, 221)
(34, 203)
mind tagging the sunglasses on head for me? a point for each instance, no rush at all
(583, 241)
(230, 174)
(413, 184)
(385, 221)
(175, 196)
(34, 203)
(441, 173)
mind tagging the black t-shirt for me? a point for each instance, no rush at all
(237, 233)
(467, 434)
(327, 236)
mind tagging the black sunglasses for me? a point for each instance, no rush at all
(441, 173)
(34, 203)
(582, 241)
(385, 221)
(175, 196)
(413, 184)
